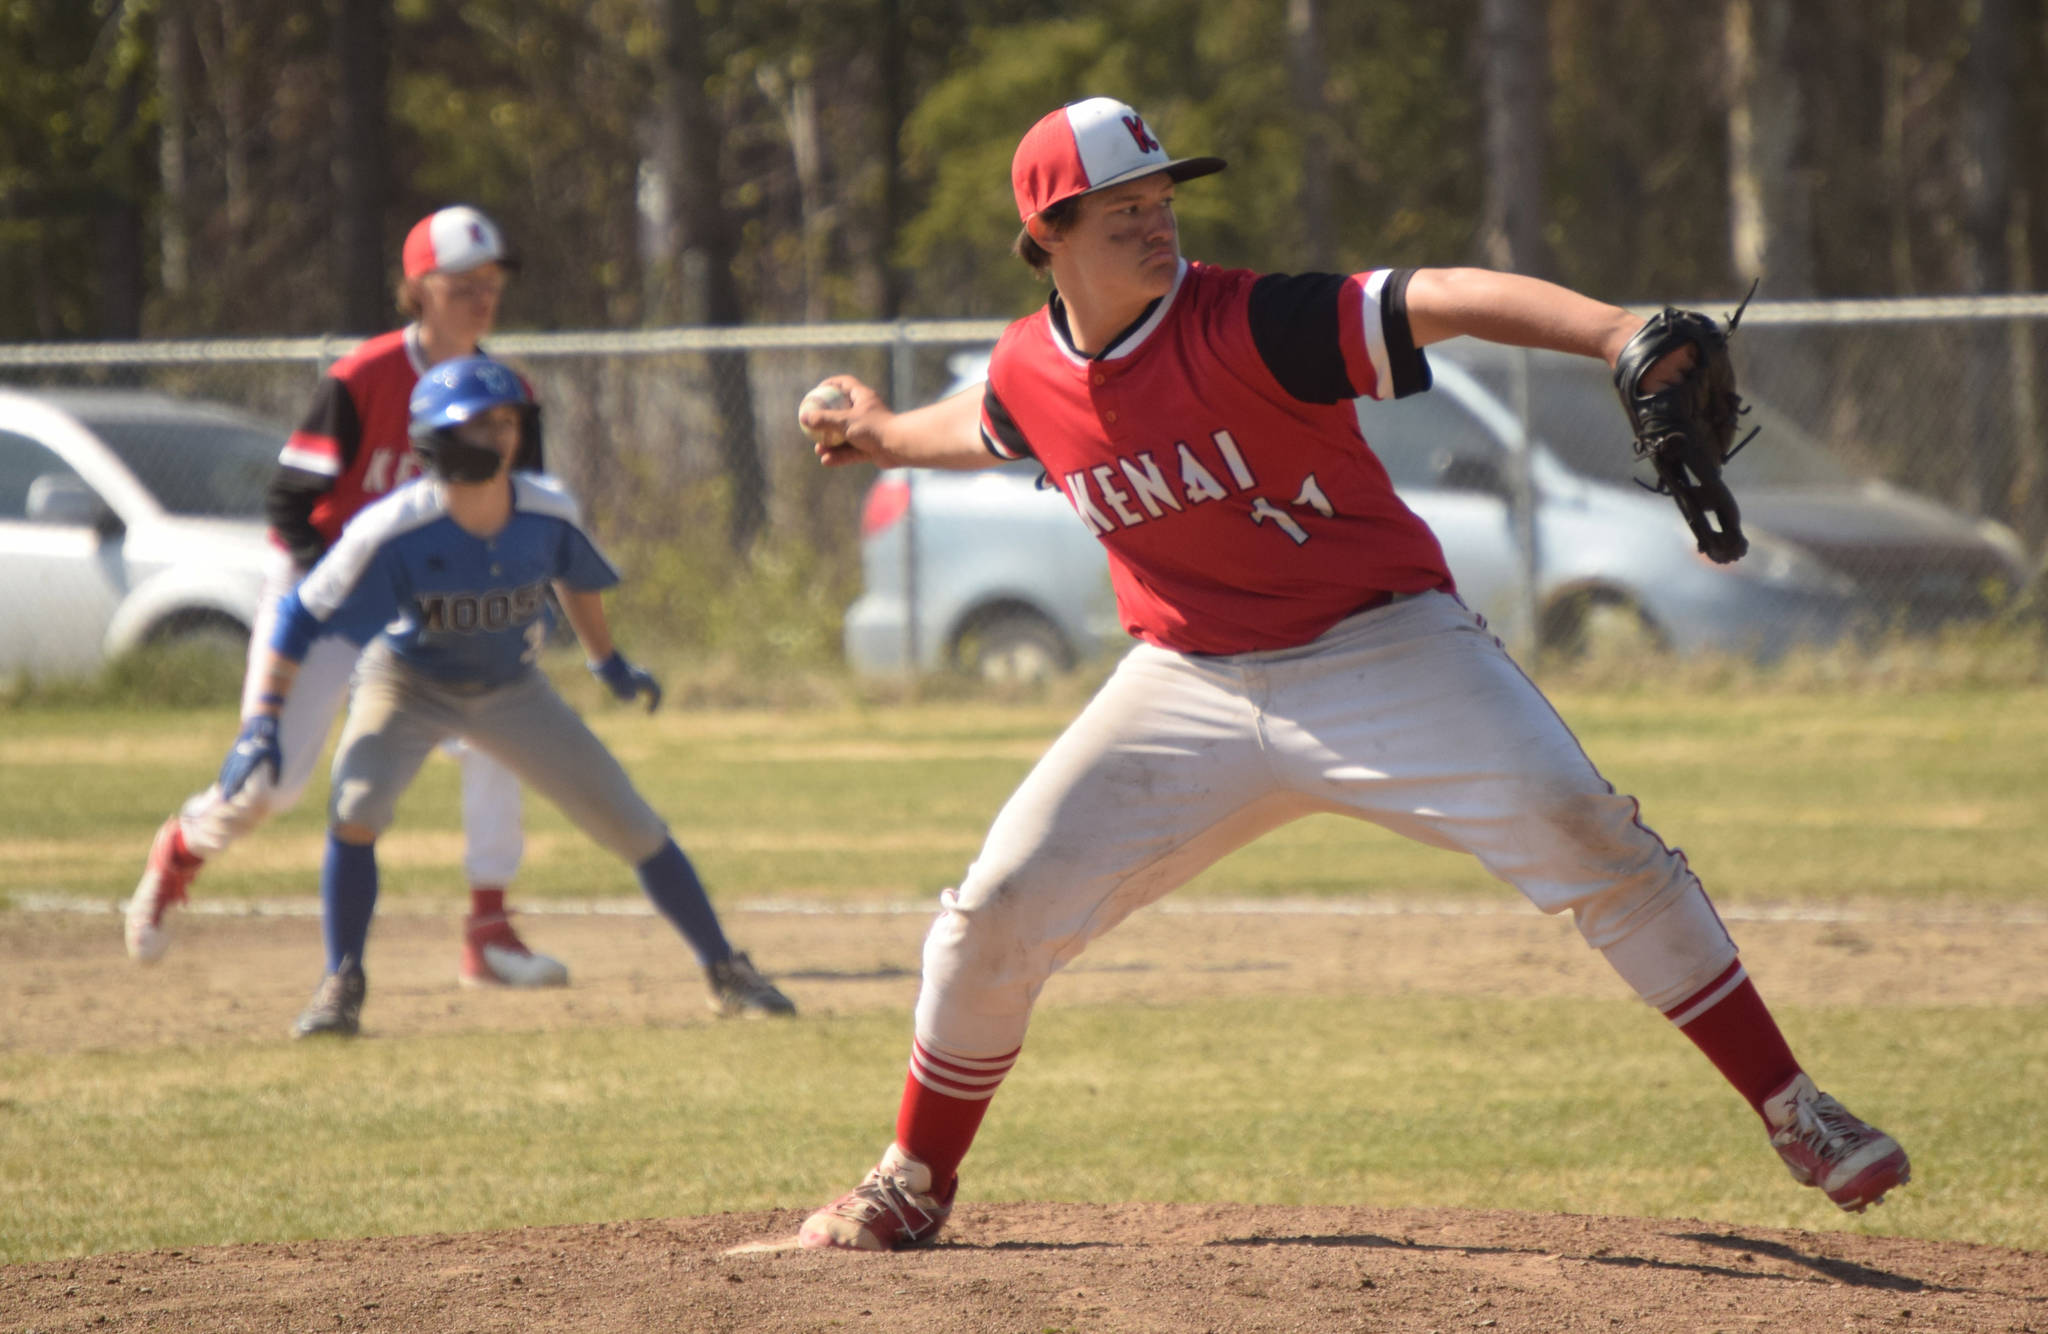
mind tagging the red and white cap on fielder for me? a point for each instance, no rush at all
(455, 240)
(1087, 146)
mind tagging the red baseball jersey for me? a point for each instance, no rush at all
(1214, 449)
(354, 445)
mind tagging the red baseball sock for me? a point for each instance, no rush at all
(486, 899)
(185, 858)
(1729, 1022)
(944, 1099)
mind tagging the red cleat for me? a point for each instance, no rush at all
(893, 1210)
(493, 955)
(1827, 1146)
(164, 881)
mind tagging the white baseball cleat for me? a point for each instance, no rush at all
(493, 955)
(165, 879)
(892, 1210)
(1827, 1146)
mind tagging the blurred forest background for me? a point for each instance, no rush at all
(211, 167)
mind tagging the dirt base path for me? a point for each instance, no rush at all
(65, 984)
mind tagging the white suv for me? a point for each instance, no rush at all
(126, 518)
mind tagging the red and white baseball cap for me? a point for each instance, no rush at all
(455, 240)
(1087, 146)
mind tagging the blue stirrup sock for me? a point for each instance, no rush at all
(672, 883)
(348, 899)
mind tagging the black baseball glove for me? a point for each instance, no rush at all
(1687, 428)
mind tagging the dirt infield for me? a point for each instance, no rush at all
(1028, 1268)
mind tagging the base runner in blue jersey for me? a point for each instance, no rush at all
(446, 579)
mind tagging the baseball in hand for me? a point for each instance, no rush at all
(824, 398)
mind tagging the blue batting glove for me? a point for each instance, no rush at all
(626, 681)
(254, 748)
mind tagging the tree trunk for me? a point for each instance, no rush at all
(1514, 36)
(894, 106)
(708, 250)
(223, 45)
(1987, 137)
(123, 280)
(173, 91)
(1897, 172)
(1770, 188)
(362, 55)
(2030, 463)
(797, 99)
(121, 271)
(1986, 169)
(1307, 76)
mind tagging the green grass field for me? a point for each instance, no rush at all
(1905, 801)
(1580, 1107)
(1907, 797)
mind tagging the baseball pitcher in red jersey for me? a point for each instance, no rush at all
(352, 447)
(1301, 648)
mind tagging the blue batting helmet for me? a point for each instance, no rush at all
(451, 394)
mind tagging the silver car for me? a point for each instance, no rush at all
(126, 518)
(1006, 582)
(1829, 552)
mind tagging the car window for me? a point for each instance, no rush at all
(22, 461)
(1573, 409)
(1417, 437)
(216, 468)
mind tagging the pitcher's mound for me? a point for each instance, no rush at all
(1104, 1269)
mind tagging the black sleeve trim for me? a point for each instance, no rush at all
(529, 458)
(288, 503)
(293, 492)
(1008, 436)
(1294, 325)
(332, 416)
(1410, 367)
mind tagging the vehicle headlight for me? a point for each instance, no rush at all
(1780, 564)
(2005, 539)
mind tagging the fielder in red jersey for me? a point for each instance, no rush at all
(352, 447)
(1302, 648)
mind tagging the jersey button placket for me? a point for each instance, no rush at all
(1106, 400)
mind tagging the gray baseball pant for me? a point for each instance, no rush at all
(398, 715)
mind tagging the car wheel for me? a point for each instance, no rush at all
(188, 658)
(1012, 645)
(202, 632)
(1599, 622)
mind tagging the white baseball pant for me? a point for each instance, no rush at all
(1411, 715)
(490, 793)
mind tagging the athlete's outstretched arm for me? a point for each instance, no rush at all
(584, 611)
(1510, 308)
(945, 434)
(274, 673)
(256, 745)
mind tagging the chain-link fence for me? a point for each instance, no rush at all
(1901, 480)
